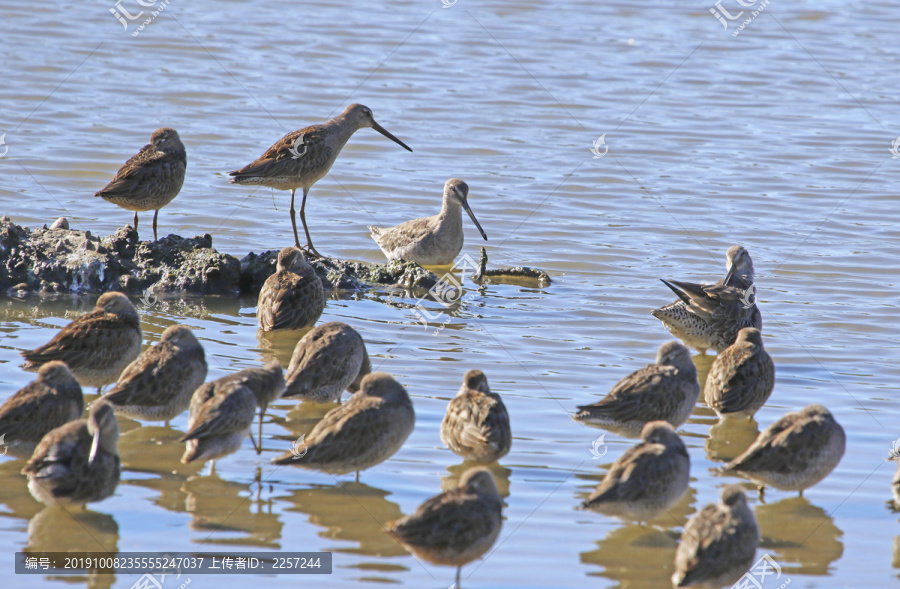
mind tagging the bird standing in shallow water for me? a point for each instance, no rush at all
(221, 415)
(327, 361)
(266, 384)
(152, 178)
(741, 378)
(430, 241)
(292, 297)
(476, 424)
(302, 158)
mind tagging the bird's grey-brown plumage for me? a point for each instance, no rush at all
(430, 241)
(795, 452)
(718, 544)
(221, 414)
(457, 526)
(667, 390)
(710, 316)
(53, 399)
(647, 479)
(476, 424)
(292, 297)
(97, 346)
(152, 178)
(266, 384)
(742, 377)
(327, 361)
(303, 157)
(159, 384)
(895, 486)
(366, 430)
(78, 462)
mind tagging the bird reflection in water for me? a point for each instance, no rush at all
(728, 438)
(800, 535)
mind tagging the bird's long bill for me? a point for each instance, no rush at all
(387, 134)
(730, 274)
(95, 446)
(474, 220)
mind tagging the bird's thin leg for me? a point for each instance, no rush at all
(212, 467)
(135, 220)
(309, 244)
(155, 215)
(762, 494)
(294, 216)
(458, 570)
(357, 476)
(262, 412)
(255, 447)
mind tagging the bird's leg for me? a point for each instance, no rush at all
(762, 492)
(255, 447)
(155, 215)
(212, 467)
(262, 412)
(357, 476)
(309, 244)
(458, 570)
(294, 216)
(135, 221)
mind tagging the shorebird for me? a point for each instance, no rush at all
(741, 378)
(718, 544)
(476, 424)
(97, 346)
(794, 453)
(430, 241)
(710, 316)
(77, 463)
(366, 430)
(266, 384)
(327, 361)
(222, 412)
(647, 480)
(895, 486)
(152, 178)
(302, 158)
(667, 390)
(159, 384)
(292, 297)
(52, 400)
(455, 527)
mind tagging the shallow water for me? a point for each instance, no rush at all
(776, 139)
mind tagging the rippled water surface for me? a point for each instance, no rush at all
(777, 139)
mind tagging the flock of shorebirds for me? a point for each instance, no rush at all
(75, 461)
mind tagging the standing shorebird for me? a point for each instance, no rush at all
(647, 480)
(97, 346)
(741, 378)
(77, 463)
(292, 297)
(794, 453)
(266, 384)
(327, 361)
(710, 316)
(366, 430)
(430, 241)
(455, 527)
(222, 412)
(718, 544)
(667, 390)
(476, 425)
(152, 178)
(52, 400)
(302, 158)
(159, 384)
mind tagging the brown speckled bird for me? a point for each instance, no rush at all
(741, 378)
(646, 480)
(222, 412)
(302, 158)
(292, 297)
(266, 384)
(327, 361)
(366, 430)
(52, 400)
(718, 544)
(78, 462)
(152, 178)
(97, 346)
(667, 390)
(794, 453)
(159, 384)
(455, 527)
(476, 424)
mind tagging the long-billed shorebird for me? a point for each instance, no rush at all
(457, 526)
(302, 158)
(159, 384)
(152, 178)
(97, 346)
(646, 480)
(794, 453)
(78, 462)
(52, 400)
(710, 316)
(222, 412)
(476, 424)
(430, 241)
(327, 361)
(718, 544)
(292, 297)
(266, 384)
(667, 390)
(366, 430)
(741, 378)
